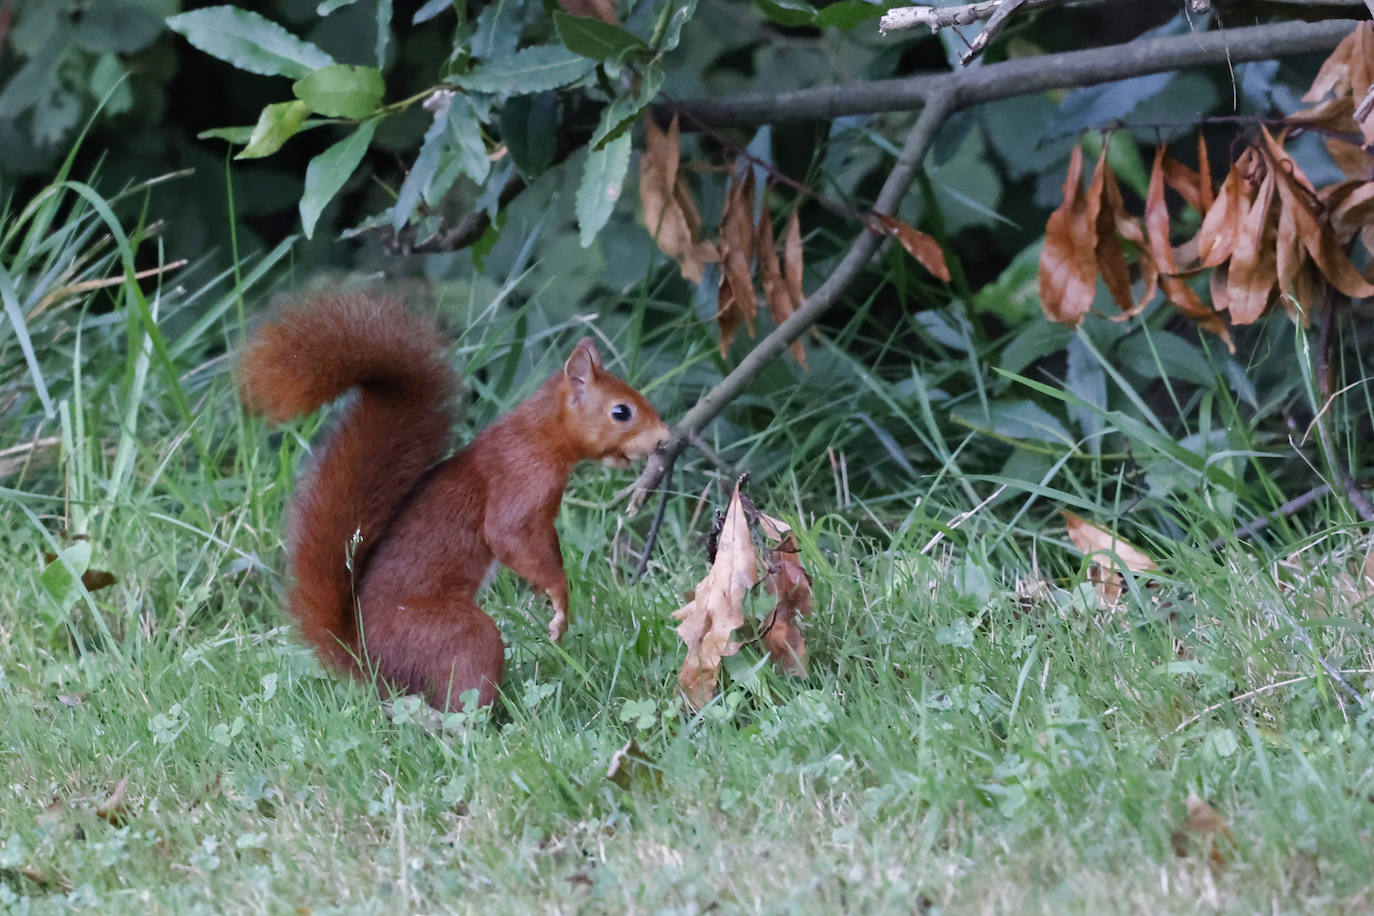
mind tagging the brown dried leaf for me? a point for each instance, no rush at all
(1204, 172)
(1353, 212)
(1296, 195)
(1335, 116)
(1250, 280)
(788, 581)
(591, 9)
(1104, 212)
(792, 263)
(1102, 546)
(1335, 70)
(1221, 226)
(1178, 292)
(1068, 266)
(717, 609)
(1289, 256)
(1203, 825)
(777, 289)
(1185, 181)
(113, 808)
(1356, 162)
(736, 303)
(918, 244)
(669, 212)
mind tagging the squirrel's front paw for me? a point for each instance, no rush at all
(558, 626)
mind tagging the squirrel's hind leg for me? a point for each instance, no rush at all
(436, 649)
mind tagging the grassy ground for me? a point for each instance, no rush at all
(976, 734)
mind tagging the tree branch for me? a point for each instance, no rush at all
(941, 95)
(936, 18)
(1022, 76)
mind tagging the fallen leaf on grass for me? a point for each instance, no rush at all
(1202, 825)
(1105, 549)
(630, 763)
(717, 608)
(113, 808)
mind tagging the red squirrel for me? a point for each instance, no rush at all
(388, 544)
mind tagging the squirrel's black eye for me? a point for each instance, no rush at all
(621, 413)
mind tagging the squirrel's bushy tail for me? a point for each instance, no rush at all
(380, 445)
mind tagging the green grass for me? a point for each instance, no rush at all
(976, 734)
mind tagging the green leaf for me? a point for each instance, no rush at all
(620, 115)
(235, 135)
(603, 177)
(249, 41)
(328, 171)
(426, 163)
(498, 29)
(430, 10)
(465, 130)
(341, 91)
(849, 14)
(668, 31)
(528, 70)
(527, 127)
(787, 12)
(277, 124)
(328, 6)
(593, 38)
(62, 577)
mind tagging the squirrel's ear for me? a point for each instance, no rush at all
(582, 365)
(589, 346)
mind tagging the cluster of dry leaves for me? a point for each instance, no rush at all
(1268, 234)
(716, 610)
(744, 245)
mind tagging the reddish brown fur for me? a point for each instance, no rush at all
(428, 536)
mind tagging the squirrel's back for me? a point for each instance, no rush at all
(395, 430)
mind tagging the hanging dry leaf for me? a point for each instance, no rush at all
(1186, 182)
(1221, 226)
(669, 212)
(717, 608)
(777, 288)
(736, 303)
(1298, 197)
(1105, 211)
(1357, 163)
(1175, 288)
(1204, 171)
(790, 584)
(1068, 266)
(918, 244)
(1252, 273)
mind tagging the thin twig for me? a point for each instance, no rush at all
(652, 537)
(1275, 611)
(1296, 504)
